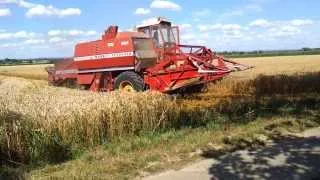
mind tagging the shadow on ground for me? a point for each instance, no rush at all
(292, 158)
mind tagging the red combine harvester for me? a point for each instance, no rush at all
(150, 58)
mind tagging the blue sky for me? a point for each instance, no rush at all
(47, 28)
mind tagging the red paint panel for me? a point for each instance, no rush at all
(85, 78)
(122, 43)
(106, 63)
(163, 81)
(119, 44)
(65, 64)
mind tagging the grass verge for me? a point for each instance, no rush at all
(141, 155)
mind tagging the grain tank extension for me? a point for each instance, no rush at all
(149, 58)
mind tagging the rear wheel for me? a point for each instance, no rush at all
(129, 81)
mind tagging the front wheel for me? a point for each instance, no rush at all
(129, 81)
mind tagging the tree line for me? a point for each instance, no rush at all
(13, 61)
(260, 53)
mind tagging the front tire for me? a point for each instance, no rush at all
(129, 81)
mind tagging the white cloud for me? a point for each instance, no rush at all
(185, 26)
(228, 27)
(142, 11)
(7, 1)
(205, 35)
(21, 3)
(23, 44)
(81, 33)
(203, 27)
(201, 13)
(278, 29)
(54, 32)
(10, 45)
(225, 31)
(72, 32)
(254, 7)
(68, 12)
(43, 10)
(165, 4)
(260, 23)
(5, 35)
(187, 37)
(25, 4)
(301, 22)
(91, 33)
(201, 42)
(284, 31)
(25, 39)
(233, 34)
(56, 40)
(209, 27)
(75, 33)
(21, 34)
(5, 12)
(237, 12)
(225, 27)
(34, 41)
(17, 35)
(194, 39)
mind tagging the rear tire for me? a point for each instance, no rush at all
(129, 78)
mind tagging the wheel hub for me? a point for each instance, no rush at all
(126, 87)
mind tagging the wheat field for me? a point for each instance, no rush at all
(33, 114)
(37, 120)
(281, 74)
(26, 71)
(279, 65)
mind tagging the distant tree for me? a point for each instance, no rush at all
(306, 49)
(6, 60)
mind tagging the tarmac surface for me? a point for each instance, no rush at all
(289, 158)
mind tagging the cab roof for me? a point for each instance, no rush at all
(153, 21)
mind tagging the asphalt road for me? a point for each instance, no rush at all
(289, 158)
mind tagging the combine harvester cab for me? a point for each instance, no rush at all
(150, 58)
